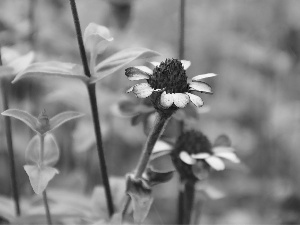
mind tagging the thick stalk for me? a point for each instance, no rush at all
(180, 207)
(7, 123)
(93, 100)
(157, 130)
(188, 199)
(45, 199)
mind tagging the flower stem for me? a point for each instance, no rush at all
(13, 174)
(93, 100)
(181, 30)
(94, 107)
(157, 130)
(180, 207)
(188, 201)
(79, 39)
(45, 199)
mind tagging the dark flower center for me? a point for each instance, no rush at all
(170, 76)
(192, 142)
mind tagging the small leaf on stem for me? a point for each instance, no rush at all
(21, 63)
(156, 177)
(25, 117)
(140, 194)
(40, 176)
(62, 118)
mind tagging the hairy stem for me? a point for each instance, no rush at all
(94, 107)
(7, 123)
(45, 199)
(157, 130)
(93, 100)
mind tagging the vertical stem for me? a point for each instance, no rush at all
(180, 208)
(189, 192)
(93, 100)
(157, 130)
(45, 199)
(181, 30)
(79, 38)
(31, 18)
(7, 122)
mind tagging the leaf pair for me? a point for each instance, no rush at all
(96, 40)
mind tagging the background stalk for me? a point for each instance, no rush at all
(45, 199)
(156, 132)
(188, 199)
(181, 55)
(93, 100)
(5, 84)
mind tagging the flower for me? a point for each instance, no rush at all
(167, 84)
(194, 156)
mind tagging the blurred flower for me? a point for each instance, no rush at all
(167, 84)
(193, 155)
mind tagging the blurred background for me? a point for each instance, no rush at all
(253, 45)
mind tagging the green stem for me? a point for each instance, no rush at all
(188, 201)
(156, 132)
(103, 169)
(93, 100)
(7, 123)
(45, 199)
(180, 208)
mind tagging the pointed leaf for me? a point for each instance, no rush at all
(53, 69)
(141, 197)
(25, 117)
(40, 176)
(63, 117)
(156, 177)
(96, 38)
(121, 59)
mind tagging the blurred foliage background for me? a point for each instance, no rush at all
(253, 45)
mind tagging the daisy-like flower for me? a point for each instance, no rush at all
(167, 84)
(193, 155)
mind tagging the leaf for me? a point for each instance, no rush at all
(51, 151)
(96, 38)
(21, 63)
(156, 177)
(63, 117)
(40, 176)
(120, 59)
(53, 69)
(25, 117)
(140, 194)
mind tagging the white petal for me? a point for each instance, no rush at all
(229, 155)
(196, 100)
(186, 64)
(202, 76)
(161, 146)
(155, 63)
(135, 73)
(144, 69)
(203, 155)
(200, 86)
(142, 90)
(166, 100)
(130, 89)
(181, 100)
(215, 162)
(186, 158)
(222, 149)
